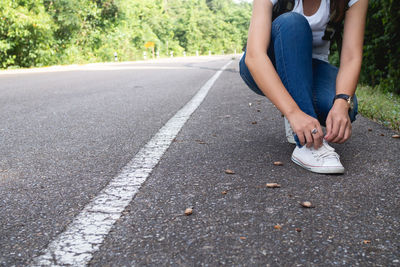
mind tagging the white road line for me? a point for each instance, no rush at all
(83, 237)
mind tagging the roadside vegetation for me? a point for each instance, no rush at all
(36, 33)
(379, 93)
(48, 32)
(379, 90)
(383, 107)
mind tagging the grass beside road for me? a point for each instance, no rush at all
(379, 106)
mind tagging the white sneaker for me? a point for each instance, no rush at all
(289, 132)
(321, 160)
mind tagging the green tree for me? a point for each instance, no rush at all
(26, 34)
(41, 32)
(382, 45)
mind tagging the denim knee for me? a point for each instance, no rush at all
(293, 22)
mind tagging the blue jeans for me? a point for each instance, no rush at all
(310, 82)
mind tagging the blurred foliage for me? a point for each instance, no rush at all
(383, 107)
(45, 32)
(381, 68)
(382, 46)
(26, 34)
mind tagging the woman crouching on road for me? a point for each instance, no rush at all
(287, 61)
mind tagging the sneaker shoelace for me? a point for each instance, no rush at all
(325, 152)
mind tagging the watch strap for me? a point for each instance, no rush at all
(342, 96)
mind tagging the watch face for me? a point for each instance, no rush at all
(351, 103)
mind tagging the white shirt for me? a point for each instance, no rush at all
(318, 22)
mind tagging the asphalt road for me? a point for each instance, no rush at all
(65, 133)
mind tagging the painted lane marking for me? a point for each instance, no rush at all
(83, 237)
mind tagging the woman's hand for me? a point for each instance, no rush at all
(338, 124)
(303, 125)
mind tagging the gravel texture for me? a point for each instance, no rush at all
(64, 135)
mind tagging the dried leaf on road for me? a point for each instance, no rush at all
(224, 192)
(243, 238)
(229, 171)
(367, 241)
(273, 185)
(307, 204)
(278, 163)
(188, 211)
(278, 227)
(254, 122)
(298, 230)
(396, 136)
(369, 130)
(382, 134)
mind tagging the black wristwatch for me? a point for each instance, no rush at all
(348, 98)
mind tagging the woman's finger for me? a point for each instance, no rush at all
(309, 138)
(341, 132)
(301, 138)
(334, 132)
(328, 123)
(347, 133)
(318, 136)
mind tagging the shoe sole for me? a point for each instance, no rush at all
(324, 170)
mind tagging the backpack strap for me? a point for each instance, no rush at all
(282, 6)
(334, 28)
